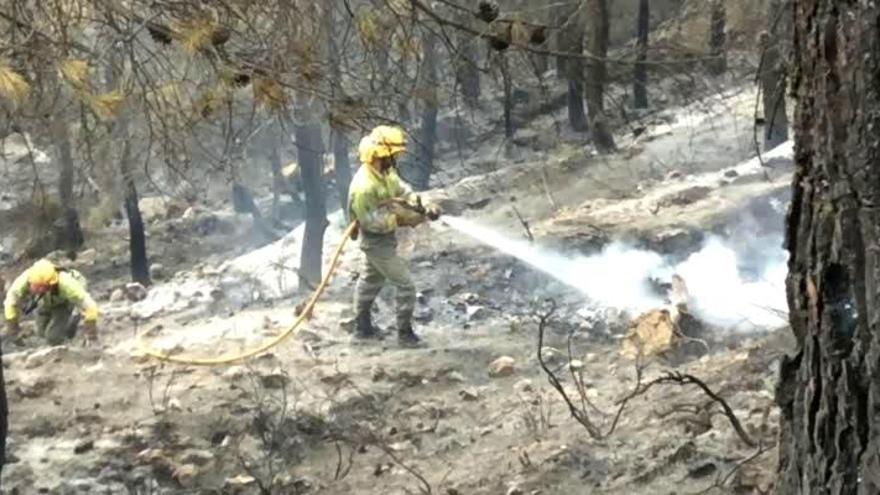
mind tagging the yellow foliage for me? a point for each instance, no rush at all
(270, 93)
(369, 28)
(210, 101)
(76, 73)
(12, 85)
(107, 105)
(196, 34)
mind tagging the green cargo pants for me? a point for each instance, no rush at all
(57, 324)
(381, 263)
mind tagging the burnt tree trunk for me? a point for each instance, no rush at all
(717, 38)
(341, 163)
(773, 75)
(428, 128)
(310, 152)
(640, 73)
(571, 40)
(829, 393)
(273, 143)
(467, 74)
(509, 129)
(597, 44)
(69, 236)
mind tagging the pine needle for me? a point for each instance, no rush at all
(107, 105)
(76, 73)
(13, 85)
(196, 34)
(270, 93)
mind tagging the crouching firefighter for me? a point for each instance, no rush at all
(380, 202)
(57, 294)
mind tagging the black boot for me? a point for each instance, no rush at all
(406, 337)
(364, 328)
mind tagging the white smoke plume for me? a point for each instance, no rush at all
(721, 291)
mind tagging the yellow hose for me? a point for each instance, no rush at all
(304, 315)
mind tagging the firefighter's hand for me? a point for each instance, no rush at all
(90, 332)
(433, 212)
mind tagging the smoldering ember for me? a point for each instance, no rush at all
(406, 247)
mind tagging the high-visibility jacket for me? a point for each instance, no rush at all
(368, 195)
(71, 289)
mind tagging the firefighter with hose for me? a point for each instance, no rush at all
(380, 203)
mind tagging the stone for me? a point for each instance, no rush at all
(576, 365)
(524, 385)
(117, 295)
(469, 395)
(502, 367)
(135, 292)
(185, 475)
(156, 208)
(240, 481)
(423, 315)
(158, 272)
(455, 377)
(552, 356)
(650, 334)
(234, 373)
(199, 458)
(35, 388)
(83, 446)
(275, 379)
(44, 356)
(475, 313)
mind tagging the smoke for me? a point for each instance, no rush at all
(731, 284)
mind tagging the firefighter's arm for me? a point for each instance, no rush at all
(14, 296)
(73, 291)
(371, 215)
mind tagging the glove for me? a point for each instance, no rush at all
(12, 329)
(433, 212)
(90, 331)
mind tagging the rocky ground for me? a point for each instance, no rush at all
(472, 413)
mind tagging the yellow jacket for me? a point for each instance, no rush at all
(71, 289)
(368, 198)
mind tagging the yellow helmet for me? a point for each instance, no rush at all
(382, 142)
(43, 273)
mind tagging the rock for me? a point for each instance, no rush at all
(117, 295)
(469, 395)
(189, 213)
(576, 365)
(35, 388)
(240, 481)
(423, 315)
(674, 175)
(455, 377)
(83, 446)
(157, 271)
(651, 334)
(275, 379)
(234, 373)
(157, 208)
(702, 470)
(502, 367)
(524, 385)
(552, 356)
(185, 475)
(199, 458)
(135, 292)
(515, 490)
(685, 197)
(475, 313)
(44, 356)
(731, 173)
(87, 257)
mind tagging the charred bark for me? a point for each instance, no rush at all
(640, 73)
(773, 75)
(428, 128)
(310, 152)
(509, 129)
(571, 40)
(341, 163)
(718, 38)
(829, 393)
(467, 74)
(69, 234)
(597, 44)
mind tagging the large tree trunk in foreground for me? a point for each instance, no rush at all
(773, 74)
(597, 45)
(310, 152)
(829, 393)
(640, 74)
